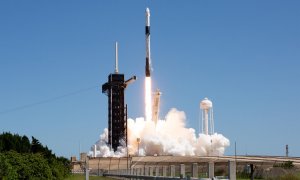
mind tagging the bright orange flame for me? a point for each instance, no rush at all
(148, 99)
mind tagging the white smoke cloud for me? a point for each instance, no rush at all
(168, 137)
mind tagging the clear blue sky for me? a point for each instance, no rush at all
(243, 55)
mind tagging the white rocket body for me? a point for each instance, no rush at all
(147, 34)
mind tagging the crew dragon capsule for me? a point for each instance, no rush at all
(147, 33)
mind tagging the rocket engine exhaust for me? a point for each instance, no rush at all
(148, 99)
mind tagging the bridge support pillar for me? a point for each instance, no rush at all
(165, 171)
(157, 171)
(146, 171)
(232, 170)
(142, 171)
(182, 170)
(150, 171)
(211, 169)
(172, 170)
(195, 170)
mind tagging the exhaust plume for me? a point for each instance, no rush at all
(148, 99)
(168, 137)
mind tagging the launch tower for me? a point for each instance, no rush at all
(117, 111)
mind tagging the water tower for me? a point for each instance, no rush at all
(207, 116)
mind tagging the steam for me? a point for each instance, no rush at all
(168, 137)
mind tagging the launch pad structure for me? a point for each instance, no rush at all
(114, 88)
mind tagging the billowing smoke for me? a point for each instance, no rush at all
(168, 137)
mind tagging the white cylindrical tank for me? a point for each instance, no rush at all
(206, 106)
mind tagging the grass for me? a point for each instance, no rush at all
(82, 177)
(295, 176)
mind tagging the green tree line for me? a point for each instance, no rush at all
(24, 159)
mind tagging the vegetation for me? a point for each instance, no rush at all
(288, 176)
(285, 165)
(220, 172)
(243, 175)
(22, 159)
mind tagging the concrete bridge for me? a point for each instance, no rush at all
(172, 167)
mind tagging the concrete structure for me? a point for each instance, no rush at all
(165, 168)
(171, 166)
(157, 171)
(87, 170)
(83, 157)
(151, 171)
(172, 171)
(195, 170)
(232, 170)
(182, 170)
(146, 170)
(211, 169)
(142, 171)
(73, 159)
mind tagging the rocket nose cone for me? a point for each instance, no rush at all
(147, 12)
